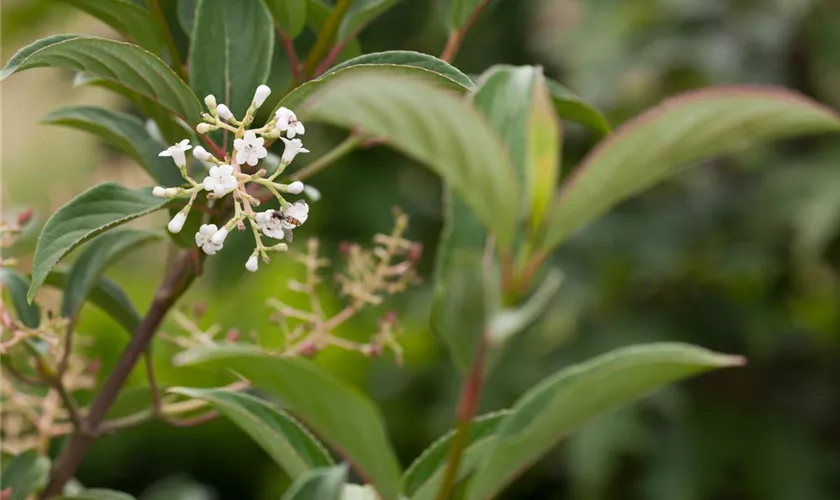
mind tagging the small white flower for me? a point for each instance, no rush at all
(204, 237)
(210, 101)
(159, 192)
(298, 210)
(311, 192)
(295, 187)
(201, 153)
(293, 147)
(177, 152)
(287, 122)
(260, 95)
(270, 225)
(250, 149)
(221, 180)
(177, 222)
(224, 112)
(219, 237)
(252, 264)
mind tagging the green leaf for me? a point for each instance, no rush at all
(412, 59)
(508, 322)
(96, 494)
(230, 54)
(423, 478)
(318, 484)
(126, 133)
(515, 101)
(186, 15)
(96, 210)
(317, 13)
(460, 310)
(566, 400)
(283, 438)
(289, 15)
(25, 474)
(172, 129)
(360, 14)
(339, 413)
(679, 131)
(17, 284)
(570, 107)
(296, 97)
(104, 294)
(131, 19)
(433, 126)
(98, 256)
(123, 63)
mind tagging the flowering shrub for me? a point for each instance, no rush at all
(495, 142)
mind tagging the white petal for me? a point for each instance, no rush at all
(219, 237)
(303, 150)
(220, 190)
(290, 133)
(208, 248)
(179, 157)
(165, 152)
(239, 144)
(252, 159)
(277, 234)
(177, 222)
(209, 184)
(312, 192)
(159, 192)
(261, 152)
(260, 141)
(299, 128)
(230, 183)
(208, 229)
(214, 172)
(225, 170)
(201, 153)
(184, 145)
(282, 126)
(241, 157)
(250, 137)
(252, 264)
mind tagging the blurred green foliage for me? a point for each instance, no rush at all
(740, 256)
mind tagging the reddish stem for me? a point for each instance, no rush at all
(328, 61)
(291, 54)
(217, 151)
(456, 38)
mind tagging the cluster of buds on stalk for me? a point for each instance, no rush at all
(226, 176)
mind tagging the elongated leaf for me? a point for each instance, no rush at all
(123, 131)
(96, 210)
(25, 474)
(432, 126)
(123, 63)
(423, 478)
(681, 130)
(186, 15)
(318, 484)
(565, 401)
(17, 284)
(296, 97)
(96, 494)
(132, 19)
(289, 15)
(339, 413)
(412, 59)
(104, 294)
(172, 128)
(100, 254)
(509, 322)
(570, 107)
(542, 154)
(230, 55)
(283, 438)
(360, 14)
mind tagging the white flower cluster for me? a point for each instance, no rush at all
(226, 176)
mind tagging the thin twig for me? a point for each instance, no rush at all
(349, 144)
(456, 38)
(17, 374)
(291, 55)
(328, 61)
(325, 38)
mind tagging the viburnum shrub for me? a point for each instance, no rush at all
(231, 169)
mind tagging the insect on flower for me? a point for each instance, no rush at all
(291, 217)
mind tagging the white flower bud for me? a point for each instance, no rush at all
(224, 112)
(159, 192)
(252, 263)
(312, 193)
(170, 192)
(203, 128)
(201, 153)
(295, 187)
(219, 237)
(177, 222)
(260, 95)
(210, 101)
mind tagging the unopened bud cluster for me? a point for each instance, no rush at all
(225, 176)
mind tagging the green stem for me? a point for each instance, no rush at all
(168, 40)
(345, 147)
(325, 38)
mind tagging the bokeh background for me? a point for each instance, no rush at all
(739, 255)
